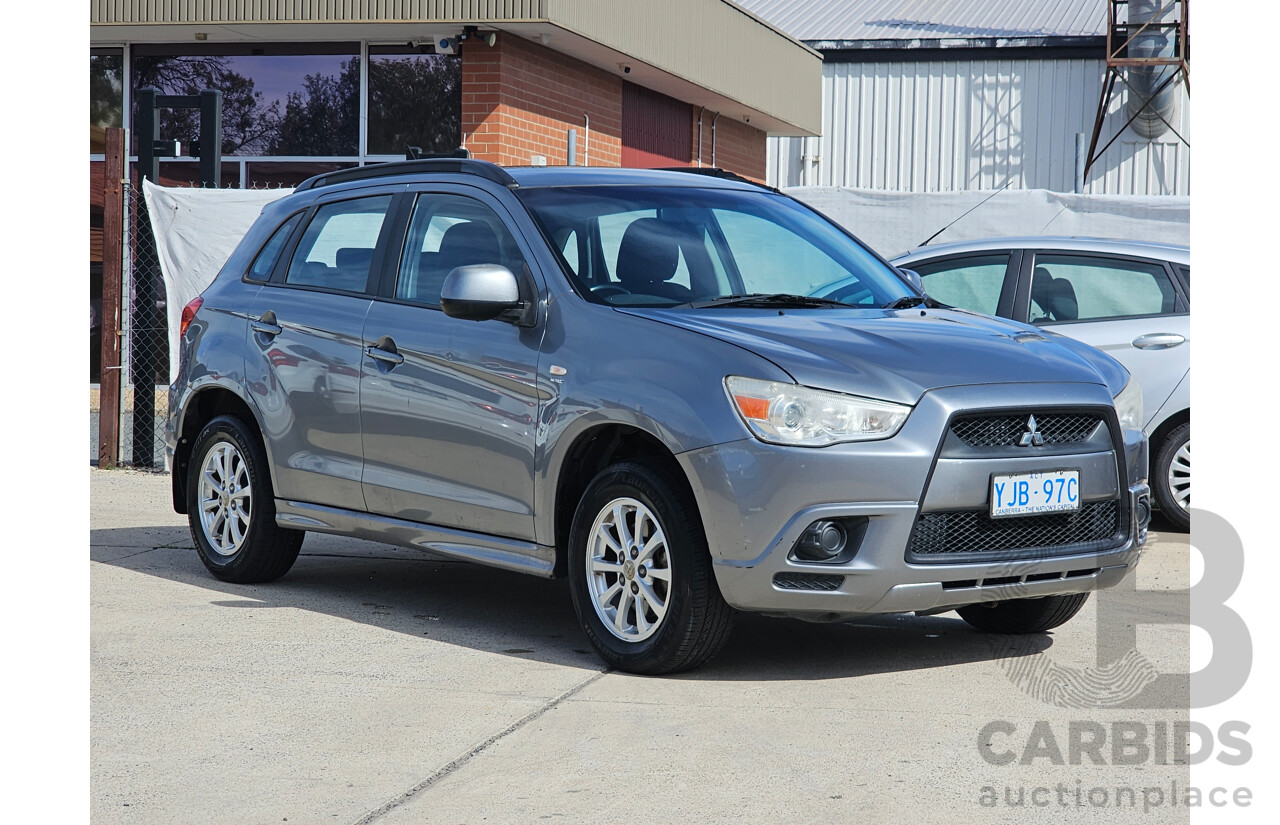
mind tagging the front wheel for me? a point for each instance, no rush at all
(231, 506)
(1020, 616)
(640, 573)
(1171, 477)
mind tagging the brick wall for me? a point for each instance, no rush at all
(520, 99)
(738, 147)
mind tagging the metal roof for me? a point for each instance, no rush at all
(825, 21)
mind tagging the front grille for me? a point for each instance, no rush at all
(943, 536)
(807, 581)
(1006, 430)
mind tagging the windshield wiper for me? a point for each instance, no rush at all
(775, 299)
(909, 301)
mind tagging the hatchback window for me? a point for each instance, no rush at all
(446, 232)
(336, 250)
(973, 282)
(1080, 288)
(265, 263)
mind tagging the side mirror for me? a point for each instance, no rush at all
(481, 292)
(912, 277)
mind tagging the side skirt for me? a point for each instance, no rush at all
(494, 551)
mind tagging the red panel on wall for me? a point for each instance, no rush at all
(656, 130)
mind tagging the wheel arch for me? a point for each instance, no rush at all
(1167, 426)
(203, 406)
(590, 452)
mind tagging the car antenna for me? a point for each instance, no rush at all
(957, 220)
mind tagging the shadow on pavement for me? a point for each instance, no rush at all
(460, 603)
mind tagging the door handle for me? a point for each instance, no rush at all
(385, 351)
(1158, 340)
(266, 324)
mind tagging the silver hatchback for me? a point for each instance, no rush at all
(1131, 300)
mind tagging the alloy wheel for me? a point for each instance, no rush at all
(226, 498)
(628, 570)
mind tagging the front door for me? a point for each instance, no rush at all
(449, 408)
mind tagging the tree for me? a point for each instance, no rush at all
(324, 118)
(247, 120)
(414, 100)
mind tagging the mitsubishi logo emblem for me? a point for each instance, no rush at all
(1031, 438)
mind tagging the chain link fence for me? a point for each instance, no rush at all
(144, 393)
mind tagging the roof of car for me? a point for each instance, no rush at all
(531, 176)
(1163, 251)
(534, 176)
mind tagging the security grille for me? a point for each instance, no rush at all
(945, 535)
(1007, 430)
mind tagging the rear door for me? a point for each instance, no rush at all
(449, 407)
(1132, 308)
(305, 329)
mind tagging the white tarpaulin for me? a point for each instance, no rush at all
(196, 231)
(895, 222)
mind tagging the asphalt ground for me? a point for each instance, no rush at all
(376, 684)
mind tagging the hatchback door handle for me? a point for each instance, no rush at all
(1158, 340)
(385, 351)
(266, 324)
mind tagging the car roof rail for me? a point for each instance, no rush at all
(461, 165)
(717, 172)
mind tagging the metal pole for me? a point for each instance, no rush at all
(572, 153)
(211, 139)
(1082, 160)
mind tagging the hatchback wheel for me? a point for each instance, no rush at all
(640, 573)
(1171, 477)
(231, 506)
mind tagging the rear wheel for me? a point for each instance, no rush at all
(1018, 616)
(1171, 477)
(231, 506)
(640, 573)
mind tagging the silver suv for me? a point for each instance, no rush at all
(624, 377)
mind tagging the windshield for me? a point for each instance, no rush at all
(673, 246)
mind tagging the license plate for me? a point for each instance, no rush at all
(1027, 494)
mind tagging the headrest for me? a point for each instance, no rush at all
(649, 254)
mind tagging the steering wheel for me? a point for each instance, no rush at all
(605, 290)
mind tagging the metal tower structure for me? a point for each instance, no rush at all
(1148, 52)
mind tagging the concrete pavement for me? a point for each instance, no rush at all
(379, 684)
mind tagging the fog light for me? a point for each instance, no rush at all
(822, 541)
(1144, 513)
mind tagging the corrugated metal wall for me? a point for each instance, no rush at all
(955, 125)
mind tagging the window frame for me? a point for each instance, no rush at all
(376, 264)
(1008, 287)
(1030, 256)
(286, 251)
(385, 290)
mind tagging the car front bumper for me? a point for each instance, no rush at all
(757, 499)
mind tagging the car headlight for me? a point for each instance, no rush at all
(1129, 405)
(790, 414)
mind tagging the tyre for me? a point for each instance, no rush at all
(640, 573)
(231, 506)
(1018, 616)
(1171, 477)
